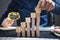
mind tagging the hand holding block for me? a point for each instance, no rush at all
(28, 19)
(18, 29)
(33, 15)
(38, 10)
(23, 24)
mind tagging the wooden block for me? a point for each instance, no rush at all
(18, 34)
(38, 10)
(28, 19)
(23, 33)
(28, 26)
(33, 32)
(33, 27)
(18, 29)
(28, 33)
(37, 32)
(33, 15)
(23, 24)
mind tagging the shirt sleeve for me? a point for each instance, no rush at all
(56, 10)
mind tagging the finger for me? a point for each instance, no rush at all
(7, 24)
(43, 3)
(4, 24)
(50, 7)
(39, 4)
(47, 4)
(10, 21)
(4, 21)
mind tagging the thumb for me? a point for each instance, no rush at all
(39, 4)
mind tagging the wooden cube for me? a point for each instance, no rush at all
(33, 15)
(23, 24)
(28, 19)
(18, 29)
(38, 10)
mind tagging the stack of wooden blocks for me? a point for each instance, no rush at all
(25, 26)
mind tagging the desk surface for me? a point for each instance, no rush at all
(12, 33)
(43, 34)
(12, 38)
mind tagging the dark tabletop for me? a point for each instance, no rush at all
(12, 33)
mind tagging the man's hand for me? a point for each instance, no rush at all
(7, 23)
(46, 5)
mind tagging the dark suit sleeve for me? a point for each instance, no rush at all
(13, 6)
(57, 7)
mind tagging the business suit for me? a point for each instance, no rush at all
(25, 7)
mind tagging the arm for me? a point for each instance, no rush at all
(13, 6)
